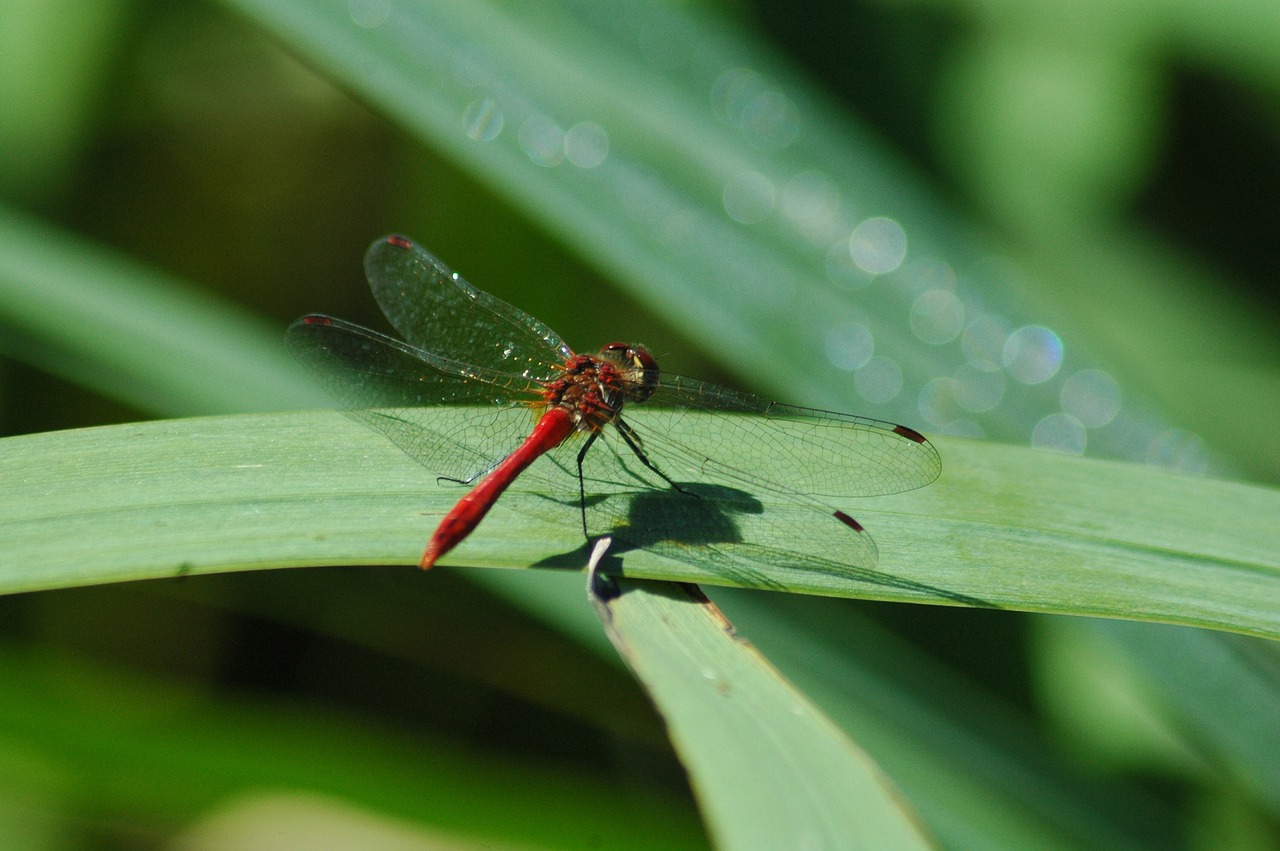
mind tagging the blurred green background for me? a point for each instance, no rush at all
(1107, 171)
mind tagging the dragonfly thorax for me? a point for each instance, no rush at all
(593, 388)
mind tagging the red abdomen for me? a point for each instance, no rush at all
(551, 430)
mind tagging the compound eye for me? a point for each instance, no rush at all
(632, 357)
(646, 372)
(641, 359)
(640, 367)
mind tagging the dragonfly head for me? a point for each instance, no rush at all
(639, 370)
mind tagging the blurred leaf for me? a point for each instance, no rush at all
(129, 742)
(54, 61)
(686, 159)
(1194, 703)
(103, 320)
(1230, 718)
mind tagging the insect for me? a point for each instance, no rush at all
(605, 424)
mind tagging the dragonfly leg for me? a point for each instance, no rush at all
(633, 442)
(582, 487)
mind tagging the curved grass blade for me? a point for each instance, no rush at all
(1003, 527)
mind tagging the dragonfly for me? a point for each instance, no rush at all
(607, 433)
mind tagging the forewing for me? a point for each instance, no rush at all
(436, 310)
(398, 391)
(783, 449)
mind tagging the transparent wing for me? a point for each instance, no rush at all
(735, 533)
(788, 450)
(667, 476)
(398, 390)
(436, 310)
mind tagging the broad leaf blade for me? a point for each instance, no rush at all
(1003, 527)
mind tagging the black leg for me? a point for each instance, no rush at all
(582, 488)
(630, 438)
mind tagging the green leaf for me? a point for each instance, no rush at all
(133, 741)
(696, 110)
(1221, 691)
(1003, 527)
(770, 770)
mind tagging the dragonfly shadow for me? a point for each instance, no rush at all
(724, 532)
(667, 521)
(697, 515)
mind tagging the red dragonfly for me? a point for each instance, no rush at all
(612, 430)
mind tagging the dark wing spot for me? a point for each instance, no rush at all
(909, 433)
(848, 521)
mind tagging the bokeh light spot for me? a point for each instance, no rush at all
(482, 120)
(937, 317)
(763, 112)
(983, 342)
(748, 197)
(977, 390)
(1091, 396)
(1060, 433)
(586, 144)
(878, 245)
(937, 402)
(850, 346)
(1178, 449)
(542, 140)
(1033, 354)
(880, 380)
